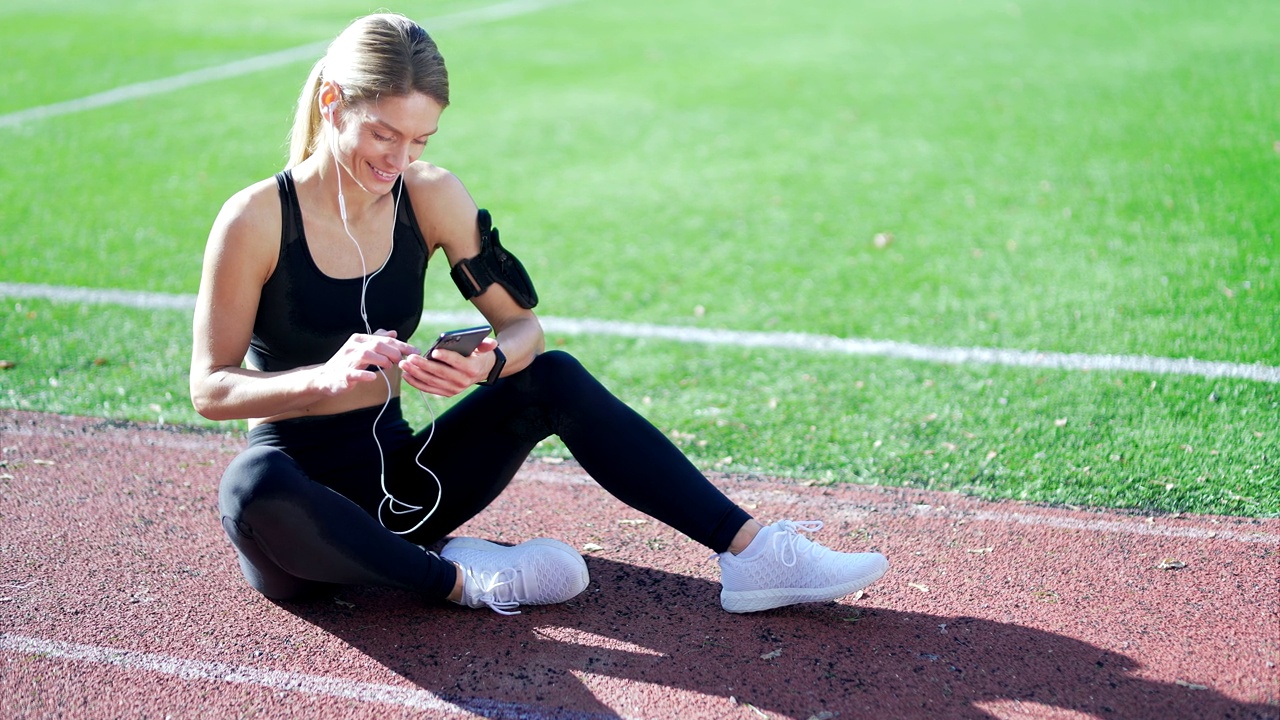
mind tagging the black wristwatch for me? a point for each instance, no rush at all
(499, 362)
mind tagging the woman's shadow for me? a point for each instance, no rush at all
(821, 660)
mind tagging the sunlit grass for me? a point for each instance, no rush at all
(1082, 177)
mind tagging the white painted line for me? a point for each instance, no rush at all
(164, 85)
(92, 296)
(799, 342)
(222, 672)
(279, 680)
(924, 353)
(1125, 528)
(309, 52)
(860, 509)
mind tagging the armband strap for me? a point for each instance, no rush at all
(493, 265)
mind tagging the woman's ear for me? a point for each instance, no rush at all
(328, 98)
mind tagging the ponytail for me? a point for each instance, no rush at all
(305, 135)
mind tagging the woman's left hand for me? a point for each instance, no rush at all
(447, 373)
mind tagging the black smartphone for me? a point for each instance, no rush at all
(463, 342)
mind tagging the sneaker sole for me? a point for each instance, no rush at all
(745, 601)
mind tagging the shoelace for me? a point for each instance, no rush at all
(788, 535)
(489, 585)
(785, 539)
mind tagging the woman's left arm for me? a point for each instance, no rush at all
(450, 225)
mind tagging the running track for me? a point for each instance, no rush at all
(119, 597)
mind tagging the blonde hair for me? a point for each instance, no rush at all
(383, 55)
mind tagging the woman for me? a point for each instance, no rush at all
(312, 285)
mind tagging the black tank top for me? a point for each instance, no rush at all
(304, 316)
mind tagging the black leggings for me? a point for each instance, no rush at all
(301, 504)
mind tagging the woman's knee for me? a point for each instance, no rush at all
(262, 572)
(558, 369)
(258, 473)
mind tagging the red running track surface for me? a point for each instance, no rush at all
(120, 597)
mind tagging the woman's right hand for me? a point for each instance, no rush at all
(354, 362)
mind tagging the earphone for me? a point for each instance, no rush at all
(389, 501)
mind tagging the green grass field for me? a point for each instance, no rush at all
(1083, 176)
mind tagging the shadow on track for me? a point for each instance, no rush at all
(642, 625)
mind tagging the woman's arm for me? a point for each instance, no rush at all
(451, 226)
(240, 255)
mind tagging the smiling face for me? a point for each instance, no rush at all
(377, 141)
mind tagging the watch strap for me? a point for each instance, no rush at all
(499, 362)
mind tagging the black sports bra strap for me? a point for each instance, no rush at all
(290, 211)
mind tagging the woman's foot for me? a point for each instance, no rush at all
(782, 567)
(535, 572)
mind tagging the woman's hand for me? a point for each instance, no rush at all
(447, 373)
(356, 360)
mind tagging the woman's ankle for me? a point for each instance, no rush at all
(745, 535)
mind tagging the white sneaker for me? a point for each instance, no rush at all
(535, 572)
(782, 567)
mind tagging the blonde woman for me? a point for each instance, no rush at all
(312, 285)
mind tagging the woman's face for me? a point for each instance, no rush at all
(378, 140)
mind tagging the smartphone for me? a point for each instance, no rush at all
(463, 342)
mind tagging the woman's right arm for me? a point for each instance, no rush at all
(241, 254)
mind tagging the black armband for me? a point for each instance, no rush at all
(493, 265)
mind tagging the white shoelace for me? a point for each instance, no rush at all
(785, 538)
(787, 535)
(489, 585)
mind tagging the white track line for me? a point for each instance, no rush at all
(279, 680)
(711, 336)
(859, 509)
(310, 52)
(924, 353)
(1126, 528)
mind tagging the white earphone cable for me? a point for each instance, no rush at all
(389, 501)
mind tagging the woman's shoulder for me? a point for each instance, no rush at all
(441, 201)
(250, 214)
(423, 177)
(260, 194)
